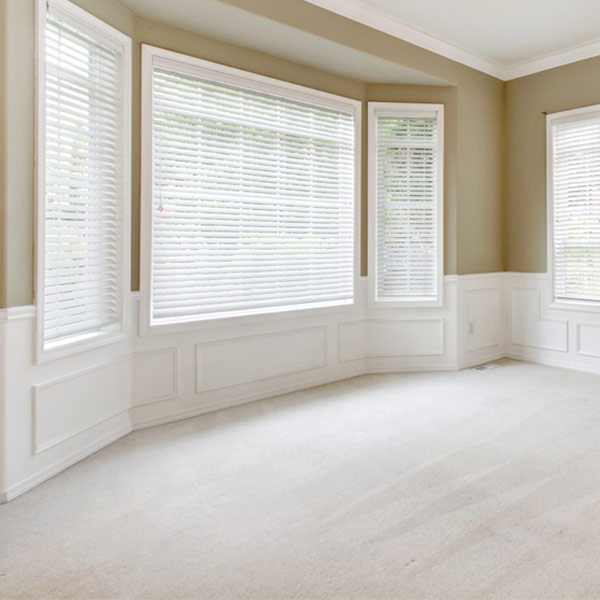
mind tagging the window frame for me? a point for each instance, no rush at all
(152, 55)
(552, 119)
(97, 28)
(403, 109)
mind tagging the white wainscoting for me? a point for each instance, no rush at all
(67, 406)
(541, 332)
(56, 413)
(481, 319)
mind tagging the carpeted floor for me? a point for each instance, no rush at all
(446, 485)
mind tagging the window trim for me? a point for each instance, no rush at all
(376, 109)
(552, 119)
(99, 29)
(152, 55)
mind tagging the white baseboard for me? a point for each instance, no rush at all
(59, 466)
(240, 400)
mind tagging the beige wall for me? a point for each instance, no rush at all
(474, 127)
(16, 172)
(563, 88)
(2, 149)
(478, 231)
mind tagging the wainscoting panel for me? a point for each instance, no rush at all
(56, 413)
(480, 319)
(483, 318)
(67, 406)
(543, 332)
(588, 340)
(528, 328)
(352, 344)
(155, 376)
(423, 337)
(227, 363)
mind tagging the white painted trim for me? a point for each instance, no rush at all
(38, 448)
(553, 119)
(221, 342)
(151, 56)
(578, 349)
(243, 398)
(174, 350)
(473, 276)
(541, 276)
(98, 29)
(403, 109)
(552, 60)
(14, 313)
(59, 466)
(383, 21)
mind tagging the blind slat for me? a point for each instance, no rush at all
(406, 207)
(83, 181)
(576, 210)
(253, 199)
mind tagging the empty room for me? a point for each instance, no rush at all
(299, 299)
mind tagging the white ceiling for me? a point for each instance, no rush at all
(506, 38)
(503, 31)
(228, 23)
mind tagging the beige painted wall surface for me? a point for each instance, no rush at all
(2, 150)
(563, 88)
(473, 219)
(17, 197)
(480, 125)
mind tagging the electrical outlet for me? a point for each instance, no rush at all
(471, 327)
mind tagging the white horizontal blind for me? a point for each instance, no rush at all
(83, 109)
(576, 209)
(253, 200)
(407, 207)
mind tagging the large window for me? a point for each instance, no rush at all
(83, 177)
(249, 191)
(405, 203)
(574, 205)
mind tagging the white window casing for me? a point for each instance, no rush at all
(83, 179)
(573, 207)
(406, 204)
(249, 193)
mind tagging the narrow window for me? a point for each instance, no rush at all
(574, 205)
(83, 179)
(405, 203)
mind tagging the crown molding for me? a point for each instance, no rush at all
(383, 21)
(552, 60)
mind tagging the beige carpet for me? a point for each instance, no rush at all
(449, 485)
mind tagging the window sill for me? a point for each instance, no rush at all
(77, 344)
(583, 307)
(416, 303)
(241, 319)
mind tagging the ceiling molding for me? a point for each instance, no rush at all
(377, 19)
(552, 60)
